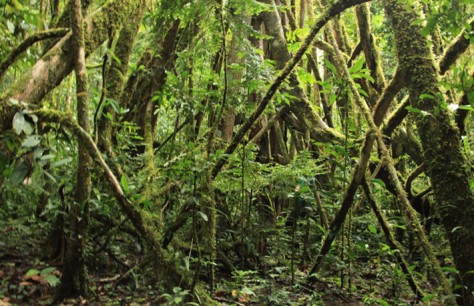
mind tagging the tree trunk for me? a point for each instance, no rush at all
(142, 85)
(114, 79)
(74, 281)
(57, 63)
(445, 162)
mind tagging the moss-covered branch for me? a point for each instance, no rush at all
(28, 42)
(455, 49)
(406, 207)
(74, 280)
(57, 63)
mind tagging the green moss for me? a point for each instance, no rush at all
(445, 161)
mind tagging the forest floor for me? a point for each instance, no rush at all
(27, 279)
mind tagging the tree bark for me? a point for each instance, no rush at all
(142, 85)
(74, 280)
(57, 63)
(445, 162)
(115, 79)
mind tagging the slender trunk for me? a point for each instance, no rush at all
(74, 281)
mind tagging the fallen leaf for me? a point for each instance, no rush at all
(4, 302)
(35, 278)
(244, 298)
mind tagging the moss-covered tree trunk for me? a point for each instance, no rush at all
(446, 164)
(143, 84)
(114, 79)
(74, 281)
(57, 63)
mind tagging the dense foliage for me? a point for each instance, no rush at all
(234, 159)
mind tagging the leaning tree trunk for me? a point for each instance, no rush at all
(74, 281)
(446, 164)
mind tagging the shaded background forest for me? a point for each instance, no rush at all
(272, 152)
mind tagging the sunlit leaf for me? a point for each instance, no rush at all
(124, 184)
(372, 229)
(18, 122)
(32, 272)
(10, 26)
(203, 216)
(357, 65)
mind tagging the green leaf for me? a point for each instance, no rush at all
(372, 229)
(61, 162)
(14, 101)
(412, 109)
(47, 157)
(331, 67)
(466, 107)
(32, 272)
(449, 269)
(52, 280)
(427, 96)
(18, 6)
(19, 173)
(378, 182)
(124, 184)
(10, 26)
(203, 216)
(357, 65)
(28, 128)
(9, 9)
(382, 302)
(48, 270)
(332, 99)
(456, 229)
(428, 297)
(31, 141)
(247, 291)
(18, 122)
(50, 176)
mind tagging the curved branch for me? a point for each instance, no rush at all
(28, 42)
(454, 50)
